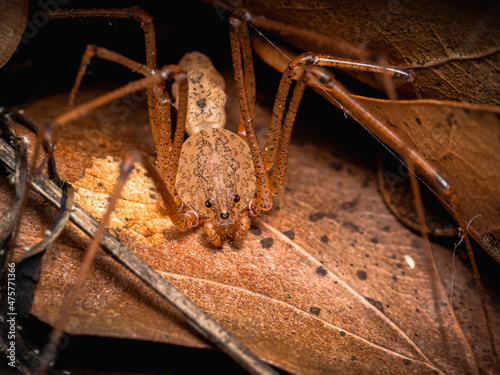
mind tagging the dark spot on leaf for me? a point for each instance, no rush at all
(100, 185)
(349, 205)
(417, 119)
(267, 243)
(353, 228)
(386, 228)
(395, 278)
(321, 271)
(374, 240)
(354, 358)
(376, 304)
(406, 362)
(361, 275)
(324, 239)
(255, 230)
(320, 215)
(315, 310)
(366, 181)
(336, 165)
(290, 234)
(342, 333)
(352, 172)
(293, 333)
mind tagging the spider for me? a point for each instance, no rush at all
(214, 178)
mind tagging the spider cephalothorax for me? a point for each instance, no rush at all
(216, 177)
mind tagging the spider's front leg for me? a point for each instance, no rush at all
(243, 67)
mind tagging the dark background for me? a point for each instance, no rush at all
(48, 62)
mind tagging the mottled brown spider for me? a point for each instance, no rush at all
(214, 177)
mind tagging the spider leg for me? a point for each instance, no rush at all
(263, 197)
(414, 159)
(158, 99)
(182, 221)
(307, 59)
(245, 55)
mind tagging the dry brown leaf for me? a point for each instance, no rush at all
(453, 47)
(13, 14)
(328, 275)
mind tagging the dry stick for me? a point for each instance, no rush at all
(49, 352)
(41, 135)
(59, 225)
(8, 225)
(198, 319)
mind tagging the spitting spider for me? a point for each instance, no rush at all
(214, 177)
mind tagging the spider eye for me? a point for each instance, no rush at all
(236, 198)
(208, 204)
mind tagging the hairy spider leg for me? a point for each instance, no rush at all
(183, 221)
(158, 99)
(421, 166)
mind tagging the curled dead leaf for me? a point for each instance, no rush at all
(453, 48)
